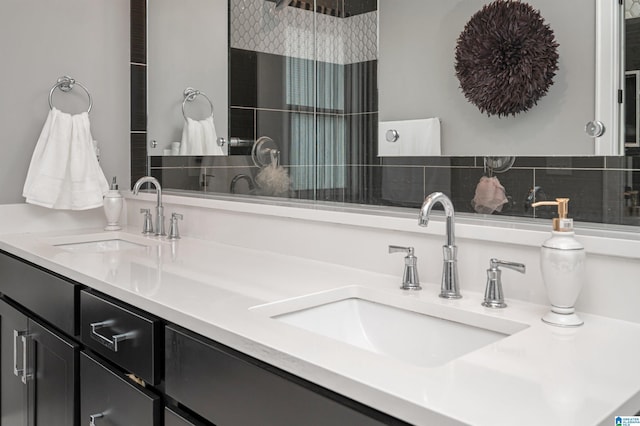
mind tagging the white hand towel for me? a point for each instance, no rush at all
(199, 137)
(64, 172)
(417, 138)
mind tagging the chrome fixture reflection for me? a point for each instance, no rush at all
(159, 208)
(174, 233)
(238, 177)
(493, 295)
(281, 4)
(449, 286)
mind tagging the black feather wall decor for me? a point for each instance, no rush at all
(506, 58)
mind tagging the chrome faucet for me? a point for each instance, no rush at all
(159, 208)
(449, 287)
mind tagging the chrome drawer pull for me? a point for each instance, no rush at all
(20, 372)
(111, 343)
(93, 417)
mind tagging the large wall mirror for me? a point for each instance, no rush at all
(310, 83)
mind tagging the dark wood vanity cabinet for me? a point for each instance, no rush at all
(108, 397)
(227, 387)
(68, 354)
(38, 372)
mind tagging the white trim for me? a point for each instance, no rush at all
(609, 45)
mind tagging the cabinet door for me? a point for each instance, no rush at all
(53, 385)
(14, 396)
(111, 399)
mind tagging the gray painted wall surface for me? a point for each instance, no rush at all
(41, 40)
(417, 79)
(187, 47)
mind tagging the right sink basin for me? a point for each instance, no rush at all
(423, 334)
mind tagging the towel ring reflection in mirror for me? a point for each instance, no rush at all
(66, 84)
(190, 94)
(497, 164)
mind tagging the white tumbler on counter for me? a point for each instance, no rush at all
(562, 261)
(112, 204)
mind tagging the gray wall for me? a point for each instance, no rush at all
(417, 79)
(187, 47)
(41, 40)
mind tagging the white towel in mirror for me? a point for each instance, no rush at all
(416, 138)
(199, 138)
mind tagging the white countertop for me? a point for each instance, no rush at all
(542, 375)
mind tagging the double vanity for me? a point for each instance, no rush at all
(194, 331)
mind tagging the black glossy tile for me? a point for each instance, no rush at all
(361, 133)
(243, 66)
(399, 186)
(242, 123)
(429, 161)
(138, 152)
(138, 37)
(178, 178)
(361, 184)
(583, 187)
(285, 83)
(356, 7)
(632, 44)
(595, 162)
(138, 98)
(361, 87)
(516, 182)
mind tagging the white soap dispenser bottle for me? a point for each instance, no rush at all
(562, 261)
(112, 204)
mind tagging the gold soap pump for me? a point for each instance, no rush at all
(562, 261)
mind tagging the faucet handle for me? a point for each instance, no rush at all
(410, 280)
(495, 264)
(493, 295)
(147, 226)
(174, 233)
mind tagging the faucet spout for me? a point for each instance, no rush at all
(449, 287)
(159, 208)
(439, 198)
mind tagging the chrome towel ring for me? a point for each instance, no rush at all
(65, 84)
(189, 95)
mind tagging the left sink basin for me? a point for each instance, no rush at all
(100, 246)
(102, 242)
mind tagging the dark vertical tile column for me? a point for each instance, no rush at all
(138, 48)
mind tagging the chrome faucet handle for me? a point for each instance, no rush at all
(493, 295)
(410, 280)
(147, 226)
(174, 233)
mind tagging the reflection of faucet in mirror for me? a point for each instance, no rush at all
(241, 176)
(449, 287)
(159, 208)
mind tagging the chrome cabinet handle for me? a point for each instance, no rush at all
(111, 343)
(93, 417)
(20, 372)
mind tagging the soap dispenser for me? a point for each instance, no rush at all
(112, 204)
(562, 262)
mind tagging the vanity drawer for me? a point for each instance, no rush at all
(175, 417)
(123, 334)
(51, 297)
(112, 399)
(229, 388)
